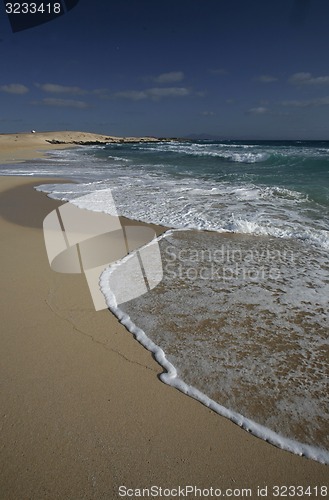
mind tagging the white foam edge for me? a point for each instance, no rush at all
(170, 376)
(318, 238)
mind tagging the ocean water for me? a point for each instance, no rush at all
(240, 320)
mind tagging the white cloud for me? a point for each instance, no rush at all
(266, 79)
(155, 93)
(307, 103)
(133, 95)
(54, 88)
(171, 77)
(14, 88)
(103, 93)
(66, 103)
(207, 113)
(260, 110)
(304, 78)
(158, 93)
(298, 78)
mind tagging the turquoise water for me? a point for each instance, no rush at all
(264, 188)
(295, 165)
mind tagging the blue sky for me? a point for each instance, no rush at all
(228, 68)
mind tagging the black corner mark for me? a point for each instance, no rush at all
(71, 3)
(24, 15)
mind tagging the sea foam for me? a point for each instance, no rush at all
(178, 377)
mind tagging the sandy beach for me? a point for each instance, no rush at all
(83, 411)
(20, 147)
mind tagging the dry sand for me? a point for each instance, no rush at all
(20, 147)
(82, 408)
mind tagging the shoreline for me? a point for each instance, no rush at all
(27, 146)
(122, 425)
(170, 377)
